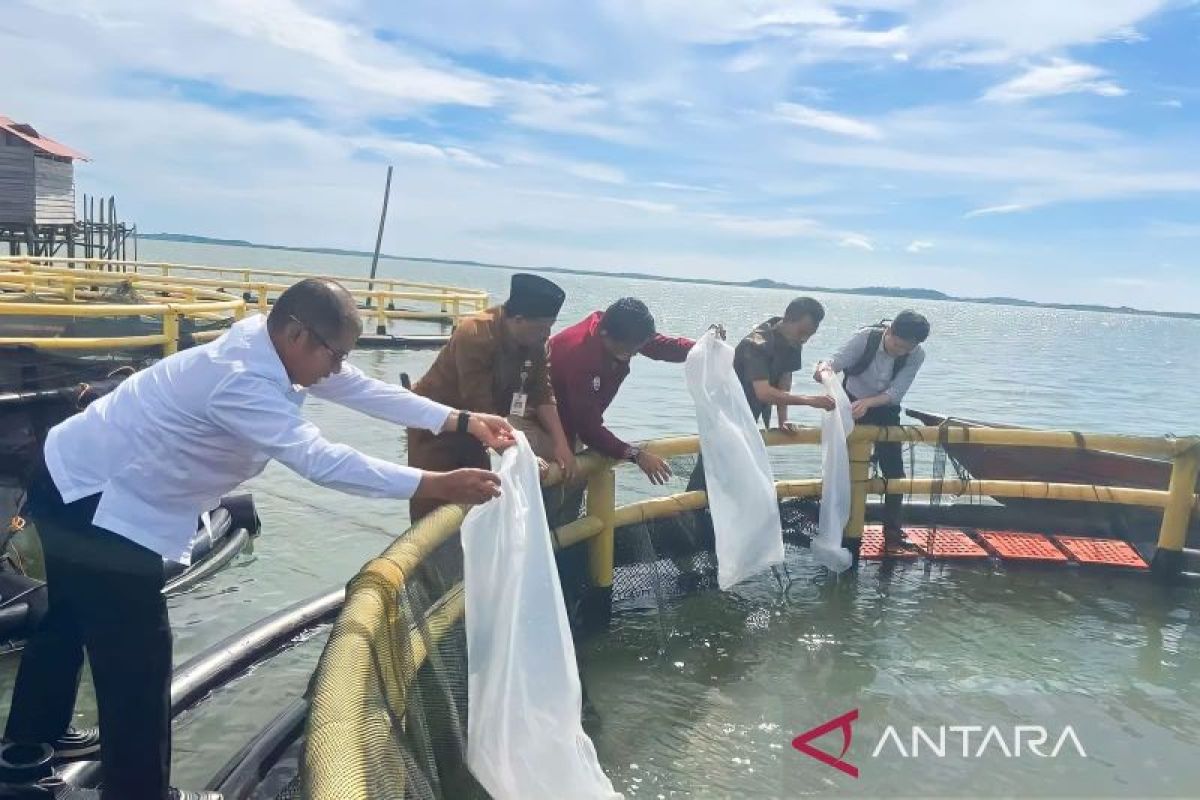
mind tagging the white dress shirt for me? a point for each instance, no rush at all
(171, 440)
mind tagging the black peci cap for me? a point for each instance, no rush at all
(533, 296)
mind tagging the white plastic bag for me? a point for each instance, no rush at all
(524, 735)
(836, 425)
(741, 487)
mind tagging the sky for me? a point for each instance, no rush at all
(1043, 150)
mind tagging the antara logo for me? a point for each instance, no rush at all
(972, 741)
(992, 740)
(843, 722)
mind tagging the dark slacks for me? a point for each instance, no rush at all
(890, 458)
(105, 598)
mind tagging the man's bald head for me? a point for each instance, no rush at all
(319, 303)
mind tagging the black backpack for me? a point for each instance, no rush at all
(874, 338)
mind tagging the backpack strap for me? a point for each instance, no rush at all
(874, 339)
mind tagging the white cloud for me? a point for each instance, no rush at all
(859, 242)
(587, 170)
(399, 148)
(574, 108)
(597, 172)
(1171, 103)
(918, 245)
(854, 38)
(349, 54)
(1127, 34)
(790, 227)
(724, 21)
(1059, 76)
(684, 187)
(785, 228)
(1011, 29)
(828, 121)
(1011, 208)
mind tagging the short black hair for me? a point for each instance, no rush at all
(803, 307)
(628, 321)
(910, 326)
(318, 302)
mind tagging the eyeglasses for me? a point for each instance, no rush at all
(338, 355)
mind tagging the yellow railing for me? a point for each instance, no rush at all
(42, 292)
(436, 303)
(1178, 501)
(361, 687)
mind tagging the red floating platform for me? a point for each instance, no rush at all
(1106, 552)
(944, 543)
(872, 545)
(1012, 546)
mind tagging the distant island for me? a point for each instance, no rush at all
(758, 283)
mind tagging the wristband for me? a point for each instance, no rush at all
(463, 418)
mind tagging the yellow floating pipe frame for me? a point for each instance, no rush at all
(1026, 490)
(1148, 446)
(121, 309)
(165, 268)
(86, 343)
(1177, 511)
(601, 505)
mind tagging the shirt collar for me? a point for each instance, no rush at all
(249, 341)
(596, 344)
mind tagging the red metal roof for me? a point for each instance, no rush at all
(37, 140)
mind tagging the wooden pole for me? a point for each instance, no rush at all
(387, 192)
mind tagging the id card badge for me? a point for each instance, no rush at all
(519, 402)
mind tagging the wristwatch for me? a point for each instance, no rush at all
(463, 418)
(633, 454)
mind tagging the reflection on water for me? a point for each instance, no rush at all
(744, 673)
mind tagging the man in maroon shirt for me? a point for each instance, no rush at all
(588, 362)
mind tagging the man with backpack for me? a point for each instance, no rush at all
(878, 365)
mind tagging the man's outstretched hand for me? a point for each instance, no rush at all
(470, 486)
(495, 432)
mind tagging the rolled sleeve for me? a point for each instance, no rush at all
(252, 409)
(904, 379)
(355, 390)
(674, 349)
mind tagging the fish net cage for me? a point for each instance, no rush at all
(388, 701)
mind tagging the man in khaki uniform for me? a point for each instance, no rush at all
(495, 363)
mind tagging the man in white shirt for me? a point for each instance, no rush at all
(127, 479)
(878, 365)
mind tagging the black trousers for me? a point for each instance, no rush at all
(105, 598)
(890, 458)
